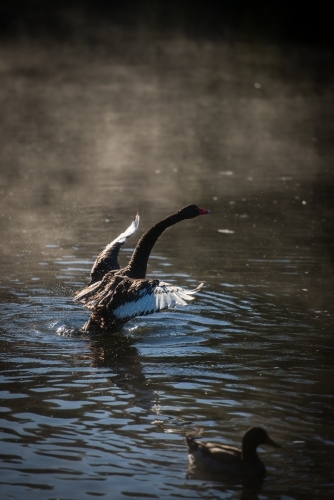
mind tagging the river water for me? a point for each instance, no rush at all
(90, 135)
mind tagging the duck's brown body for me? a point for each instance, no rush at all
(224, 460)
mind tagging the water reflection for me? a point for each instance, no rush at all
(119, 354)
(247, 490)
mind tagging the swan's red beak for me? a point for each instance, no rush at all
(204, 211)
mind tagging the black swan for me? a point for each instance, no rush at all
(226, 460)
(117, 295)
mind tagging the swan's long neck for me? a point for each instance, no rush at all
(138, 262)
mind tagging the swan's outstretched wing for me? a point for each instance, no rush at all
(124, 298)
(154, 296)
(107, 260)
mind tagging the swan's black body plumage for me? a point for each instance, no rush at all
(116, 295)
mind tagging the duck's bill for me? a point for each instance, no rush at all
(204, 211)
(272, 443)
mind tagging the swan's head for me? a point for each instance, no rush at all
(191, 211)
(256, 436)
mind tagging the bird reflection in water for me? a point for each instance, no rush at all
(119, 354)
(249, 488)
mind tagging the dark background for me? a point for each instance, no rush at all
(279, 21)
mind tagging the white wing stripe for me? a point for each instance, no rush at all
(131, 309)
(158, 298)
(127, 233)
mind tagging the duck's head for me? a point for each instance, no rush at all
(256, 436)
(191, 211)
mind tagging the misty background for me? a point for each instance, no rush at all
(112, 107)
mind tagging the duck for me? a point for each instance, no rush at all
(224, 460)
(116, 295)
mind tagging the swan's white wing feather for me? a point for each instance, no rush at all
(154, 299)
(126, 234)
(107, 260)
